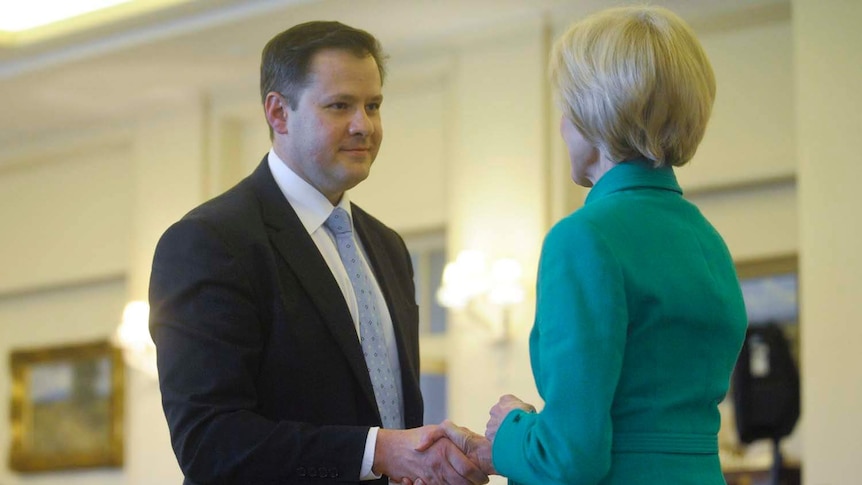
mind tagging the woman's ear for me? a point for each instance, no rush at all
(276, 110)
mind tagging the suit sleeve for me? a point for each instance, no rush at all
(576, 347)
(208, 329)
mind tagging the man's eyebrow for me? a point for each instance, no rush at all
(349, 97)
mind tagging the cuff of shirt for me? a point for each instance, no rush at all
(507, 451)
(365, 472)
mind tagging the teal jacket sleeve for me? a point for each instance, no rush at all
(576, 351)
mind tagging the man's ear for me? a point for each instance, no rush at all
(276, 110)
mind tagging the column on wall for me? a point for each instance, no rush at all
(829, 122)
(169, 179)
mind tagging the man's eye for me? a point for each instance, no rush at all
(373, 107)
(338, 105)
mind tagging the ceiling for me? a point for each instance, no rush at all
(112, 74)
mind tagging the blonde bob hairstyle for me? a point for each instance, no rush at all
(636, 82)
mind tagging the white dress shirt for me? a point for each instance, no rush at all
(313, 208)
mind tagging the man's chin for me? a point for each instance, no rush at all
(355, 174)
(359, 165)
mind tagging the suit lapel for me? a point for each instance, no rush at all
(298, 250)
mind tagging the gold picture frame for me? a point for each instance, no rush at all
(67, 407)
(763, 267)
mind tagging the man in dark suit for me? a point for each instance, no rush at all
(262, 307)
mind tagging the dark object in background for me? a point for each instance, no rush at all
(766, 390)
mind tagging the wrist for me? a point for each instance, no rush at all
(382, 451)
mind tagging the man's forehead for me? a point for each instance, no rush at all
(339, 56)
(331, 69)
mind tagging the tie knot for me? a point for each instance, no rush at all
(338, 222)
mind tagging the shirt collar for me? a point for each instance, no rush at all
(311, 206)
(634, 174)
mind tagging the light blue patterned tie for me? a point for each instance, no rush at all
(370, 329)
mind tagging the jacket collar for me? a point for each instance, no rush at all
(634, 174)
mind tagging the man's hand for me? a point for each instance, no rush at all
(397, 456)
(500, 410)
(475, 446)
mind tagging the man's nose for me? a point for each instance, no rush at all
(361, 123)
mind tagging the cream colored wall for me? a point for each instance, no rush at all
(828, 74)
(61, 208)
(471, 144)
(750, 134)
(497, 204)
(407, 187)
(170, 176)
(743, 175)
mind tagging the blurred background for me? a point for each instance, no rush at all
(115, 122)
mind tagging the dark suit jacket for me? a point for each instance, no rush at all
(261, 371)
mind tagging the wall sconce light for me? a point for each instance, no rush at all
(133, 337)
(469, 282)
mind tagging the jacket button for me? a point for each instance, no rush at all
(333, 472)
(300, 471)
(517, 418)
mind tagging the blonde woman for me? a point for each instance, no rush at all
(640, 316)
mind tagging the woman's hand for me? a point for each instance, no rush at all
(500, 410)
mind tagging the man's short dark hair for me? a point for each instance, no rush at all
(286, 58)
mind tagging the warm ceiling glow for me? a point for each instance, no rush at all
(18, 16)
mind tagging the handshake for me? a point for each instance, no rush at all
(444, 453)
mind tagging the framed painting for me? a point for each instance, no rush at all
(67, 407)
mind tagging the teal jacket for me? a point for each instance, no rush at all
(639, 322)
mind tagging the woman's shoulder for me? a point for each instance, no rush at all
(579, 232)
(588, 219)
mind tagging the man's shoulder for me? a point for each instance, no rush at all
(240, 203)
(237, 203)
(235, 217)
